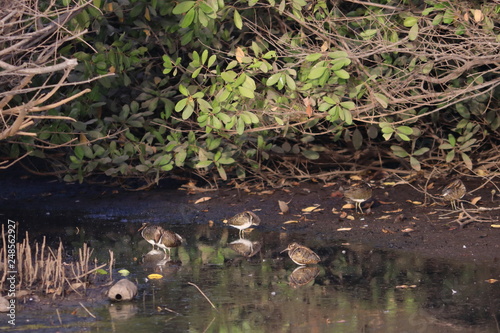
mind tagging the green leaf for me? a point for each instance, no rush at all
(405, 130)
(237, 20)
(399, 151)
(314, 56)
(79, 152)
(368, 33)
(450, 156)
(404, 137)
(101, 271)
(142, 168)
(343, 74)
(410, 21)
(290, 82)
(203, 164)
(124, 272)
(357, 139)
(337, 54)
(413, 33)
(246, 92)
(415, 164)
(428, 67)
(316, 72)
(382, 99)
(183, 7)
(228, 76)
(467, 161)
(222, 173)
(188, 111)
(226, 160)
(310, 154)
(180, 157)
(273, 79)
(188, 19)
(421, 151)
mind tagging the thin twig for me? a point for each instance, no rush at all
(209, 301)
(90, 313)
(59, 316)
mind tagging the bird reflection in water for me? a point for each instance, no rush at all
(245, 247)
(303, 275)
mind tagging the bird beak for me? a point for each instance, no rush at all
(287, 249)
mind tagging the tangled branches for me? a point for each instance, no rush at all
(31, 72)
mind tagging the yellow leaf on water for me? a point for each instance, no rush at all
(310, 209)
(291, 221)
(475, 200)
(155, 276)
(202, 200)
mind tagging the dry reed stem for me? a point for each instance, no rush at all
(209, 301)
(41, 267)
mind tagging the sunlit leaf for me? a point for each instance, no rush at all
(124, 272)
(202, 199)
(237, 20)
(101, 271)
(310, 209)
(155, 276)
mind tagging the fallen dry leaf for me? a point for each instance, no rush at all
(495, 226)
(344, 229)
(393, 211)
(283, 206)
(407, 230)
(265, 192)
(310, 209)
(291, 221)
(387, 202)
(203, 199)
(355, 177)
(348, 206)
(386, 231)
(385, 217)
(343, 215)
(414, 202)
(475, 200)
(329, 184)
(350, 217)
(491, 280)
(405, 286)
(335, 211)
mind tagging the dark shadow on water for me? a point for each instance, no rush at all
(255, 288)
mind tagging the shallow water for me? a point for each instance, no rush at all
(353, 289)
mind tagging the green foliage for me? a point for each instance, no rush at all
(203, 86)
